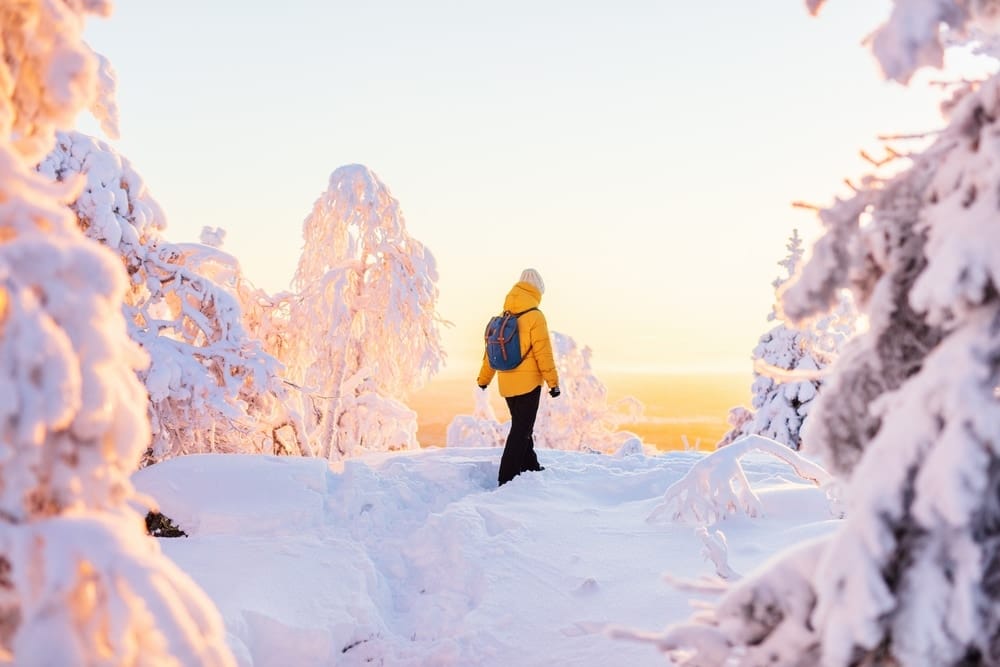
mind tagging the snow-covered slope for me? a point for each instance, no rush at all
(419, 559)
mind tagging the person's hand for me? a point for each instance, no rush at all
(483, 386)
(554, 392)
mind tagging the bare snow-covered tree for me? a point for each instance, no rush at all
(80, 581)
(787, 365)
(910, 413)
(212, 388)
(365, 326)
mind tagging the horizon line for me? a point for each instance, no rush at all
(746, 368)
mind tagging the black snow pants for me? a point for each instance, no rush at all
(519, 452)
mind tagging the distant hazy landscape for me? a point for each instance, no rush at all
(676, 405)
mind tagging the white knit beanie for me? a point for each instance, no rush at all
(532, 277)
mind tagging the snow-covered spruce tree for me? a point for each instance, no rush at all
(365, 331)
(910, 413)
(211, 387)
(80, 581)
(780, 396)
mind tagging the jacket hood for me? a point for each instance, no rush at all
(521, 297)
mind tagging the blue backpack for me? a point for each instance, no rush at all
(503, 344)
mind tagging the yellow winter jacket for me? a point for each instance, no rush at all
(536, 347)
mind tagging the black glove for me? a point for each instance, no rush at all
(483, 386)
(554, 392)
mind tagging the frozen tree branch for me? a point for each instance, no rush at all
(717, 551)
(716, 486)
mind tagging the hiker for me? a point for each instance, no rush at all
(521, 386)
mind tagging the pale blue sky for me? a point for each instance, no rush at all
(641, 155)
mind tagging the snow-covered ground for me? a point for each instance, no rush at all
(418, 558)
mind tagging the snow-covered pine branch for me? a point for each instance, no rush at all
(717, 550)
(918, 32)
(212, 388)
(716, 487)
(763, 619)
(81, 582)
(364, 324)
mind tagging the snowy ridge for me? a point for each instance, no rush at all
(417, 558)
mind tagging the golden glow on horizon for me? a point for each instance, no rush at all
(677, 405)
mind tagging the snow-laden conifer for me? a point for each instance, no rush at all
(80, 581)
(788, 364)
(364, 325)
(910, 414)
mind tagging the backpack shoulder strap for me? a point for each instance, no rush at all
(516, 315)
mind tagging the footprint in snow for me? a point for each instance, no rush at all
(496, 523)
(588, 587)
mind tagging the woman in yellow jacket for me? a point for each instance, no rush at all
(522, 386)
